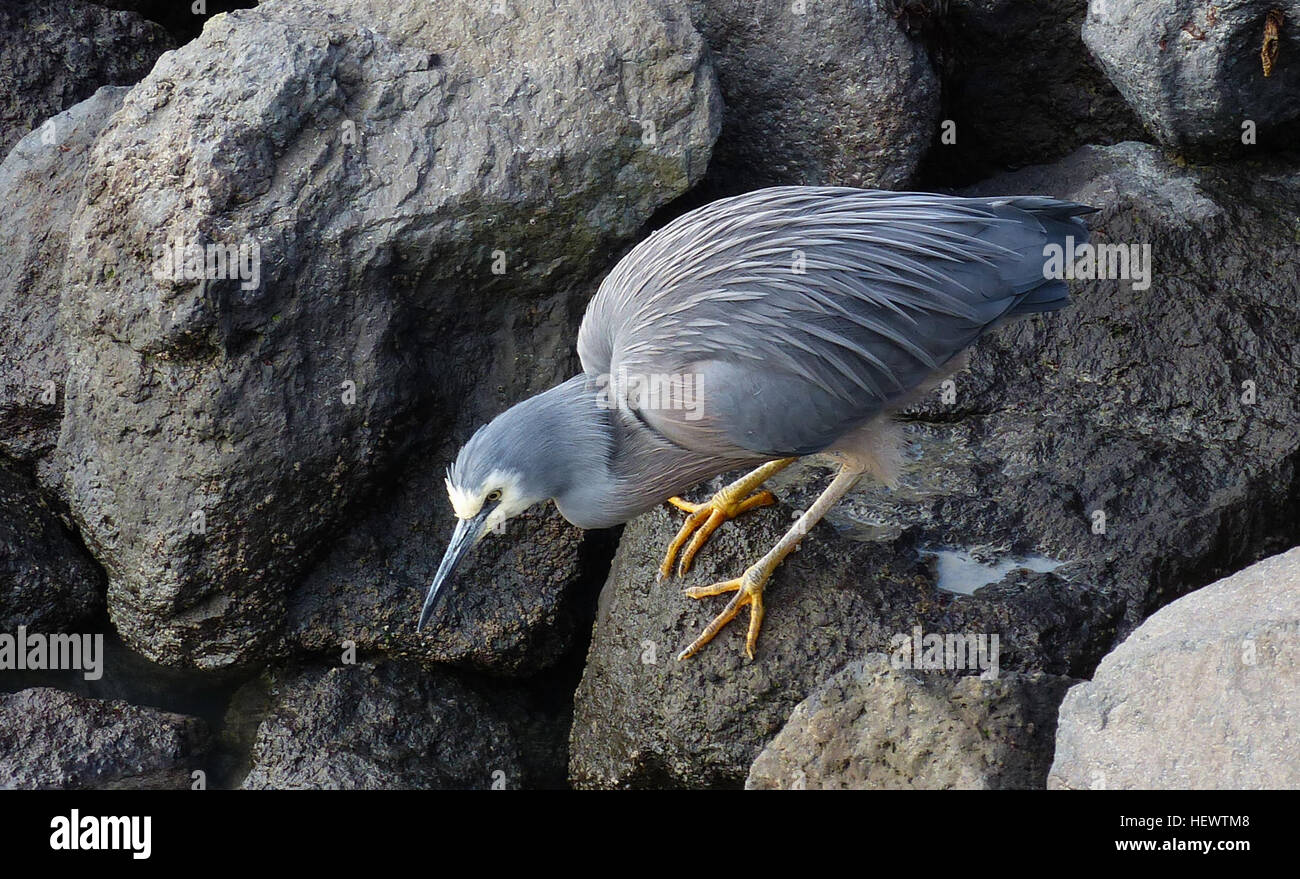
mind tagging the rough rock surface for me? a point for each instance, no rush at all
(55, 54)
(1204, 695)
(1170, 411)
(47, 583)
(643, 719)
(831, 92)
(40, 187)
(383, 157)
(1193, 71)
(50, 739)
(1020, 88)
(508, 611)
(379, 727)
(874, 726)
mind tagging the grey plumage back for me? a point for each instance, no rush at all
(804, 311)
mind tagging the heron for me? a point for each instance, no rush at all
(747, 334)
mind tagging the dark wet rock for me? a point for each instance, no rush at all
(50, 739)
(56, 54)
(382, 157)
(539, 712)
(1170, 410)
(510, 609)
(702, 722)
(1193, 71)
(1020, 88)
(47, 582)
(40, 187)
(819, 93)
(641, 718)
(875, 726)
(386, 726)
(1203, 695)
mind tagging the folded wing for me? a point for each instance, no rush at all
(785, 317)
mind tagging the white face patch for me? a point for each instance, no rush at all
(465, 504)
(468, 504)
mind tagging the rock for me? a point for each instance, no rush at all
(831, 92)
(184, 21)
(382, 158)
(511, 608)
(40, 186)
(643, 719)
(380, 727)
(874, 726)
(1194, 74)
(55, 54)
(47, 583)
(1020, 88)
(50, 739)
(1186, 432)
(539, 712)
(1169, 410)
(1204, 695)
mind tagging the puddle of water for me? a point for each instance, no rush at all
(958, 571)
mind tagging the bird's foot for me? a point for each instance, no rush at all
(703, 520)
(749, 591)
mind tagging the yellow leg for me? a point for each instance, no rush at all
(749, 585)
(705, 518)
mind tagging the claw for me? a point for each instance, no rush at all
(749, 591)
(749, 586)
(703, 520)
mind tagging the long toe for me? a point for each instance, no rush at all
(749, 591)
(699, 526)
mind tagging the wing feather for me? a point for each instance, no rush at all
(808, 310)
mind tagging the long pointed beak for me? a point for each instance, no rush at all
(463, 539)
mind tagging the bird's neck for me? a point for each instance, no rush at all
(572, 436)
(616, 466)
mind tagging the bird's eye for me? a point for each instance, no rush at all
(494, 495)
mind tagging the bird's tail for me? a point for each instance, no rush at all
(1062, 221)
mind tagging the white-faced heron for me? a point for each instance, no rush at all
(748, 333)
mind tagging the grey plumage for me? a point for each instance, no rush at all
(894, 285)
(794, 316)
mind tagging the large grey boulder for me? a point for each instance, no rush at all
(50, 739)
(876, 726)
(825, 92)
(1147, 439)
(380, 160)
(41, 188)
(1205, 694)
(47, 582)
(379, 727)
(56, 53)
(1020, 88)
(1193, 71)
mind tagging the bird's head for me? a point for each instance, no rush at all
(507, 466)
